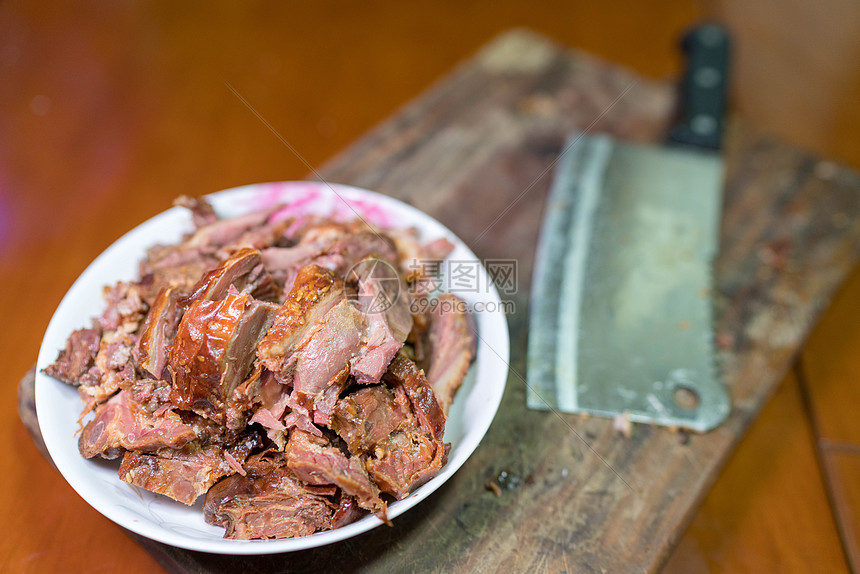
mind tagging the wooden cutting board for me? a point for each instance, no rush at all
(555, 491)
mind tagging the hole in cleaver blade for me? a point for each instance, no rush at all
(621, 314)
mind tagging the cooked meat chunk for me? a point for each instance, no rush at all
(222, 232)
(309, 346)
(124, 424)
(214, 350)
(452, 344)
(368, 416)
(157, 333)
(384, 302)
(315, 461)
(404, 373)
(414, 453)
(270, 502)
(314, 293)
(242, 271)
(186, 473)
(78, 357)
(406, 460)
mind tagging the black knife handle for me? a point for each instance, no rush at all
(703, 88)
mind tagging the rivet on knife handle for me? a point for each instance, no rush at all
(702, 101)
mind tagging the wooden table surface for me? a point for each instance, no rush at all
(108, 112)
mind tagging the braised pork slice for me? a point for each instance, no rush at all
(157, 333)
(370, 415)
(414, 452)
(77, 357)
(405, 374)
(270, 502)
(320, 361)
(346, 251)
(315, 335)
(214, 350)
(184, 474)
(223, 232)
(317, 462)
(122, 424)
(452, 343)
(243, 271)
(314, 292)
(384, 302)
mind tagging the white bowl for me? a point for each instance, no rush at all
(162, 519)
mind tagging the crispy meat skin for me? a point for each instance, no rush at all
(314, 292)
(213, 351)
(157, 333)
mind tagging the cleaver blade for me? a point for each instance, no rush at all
(622, 309)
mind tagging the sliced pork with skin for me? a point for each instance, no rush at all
(122, 424)
(452, 343)
(369, 416)
(270, 502)
(320, 363)
(157, 333)
(315, 461)
(384, 302)
(214, 350)
(184, 474)
(242, 271)
(314, 293)
(315, 335)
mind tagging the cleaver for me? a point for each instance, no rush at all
(621, 316)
